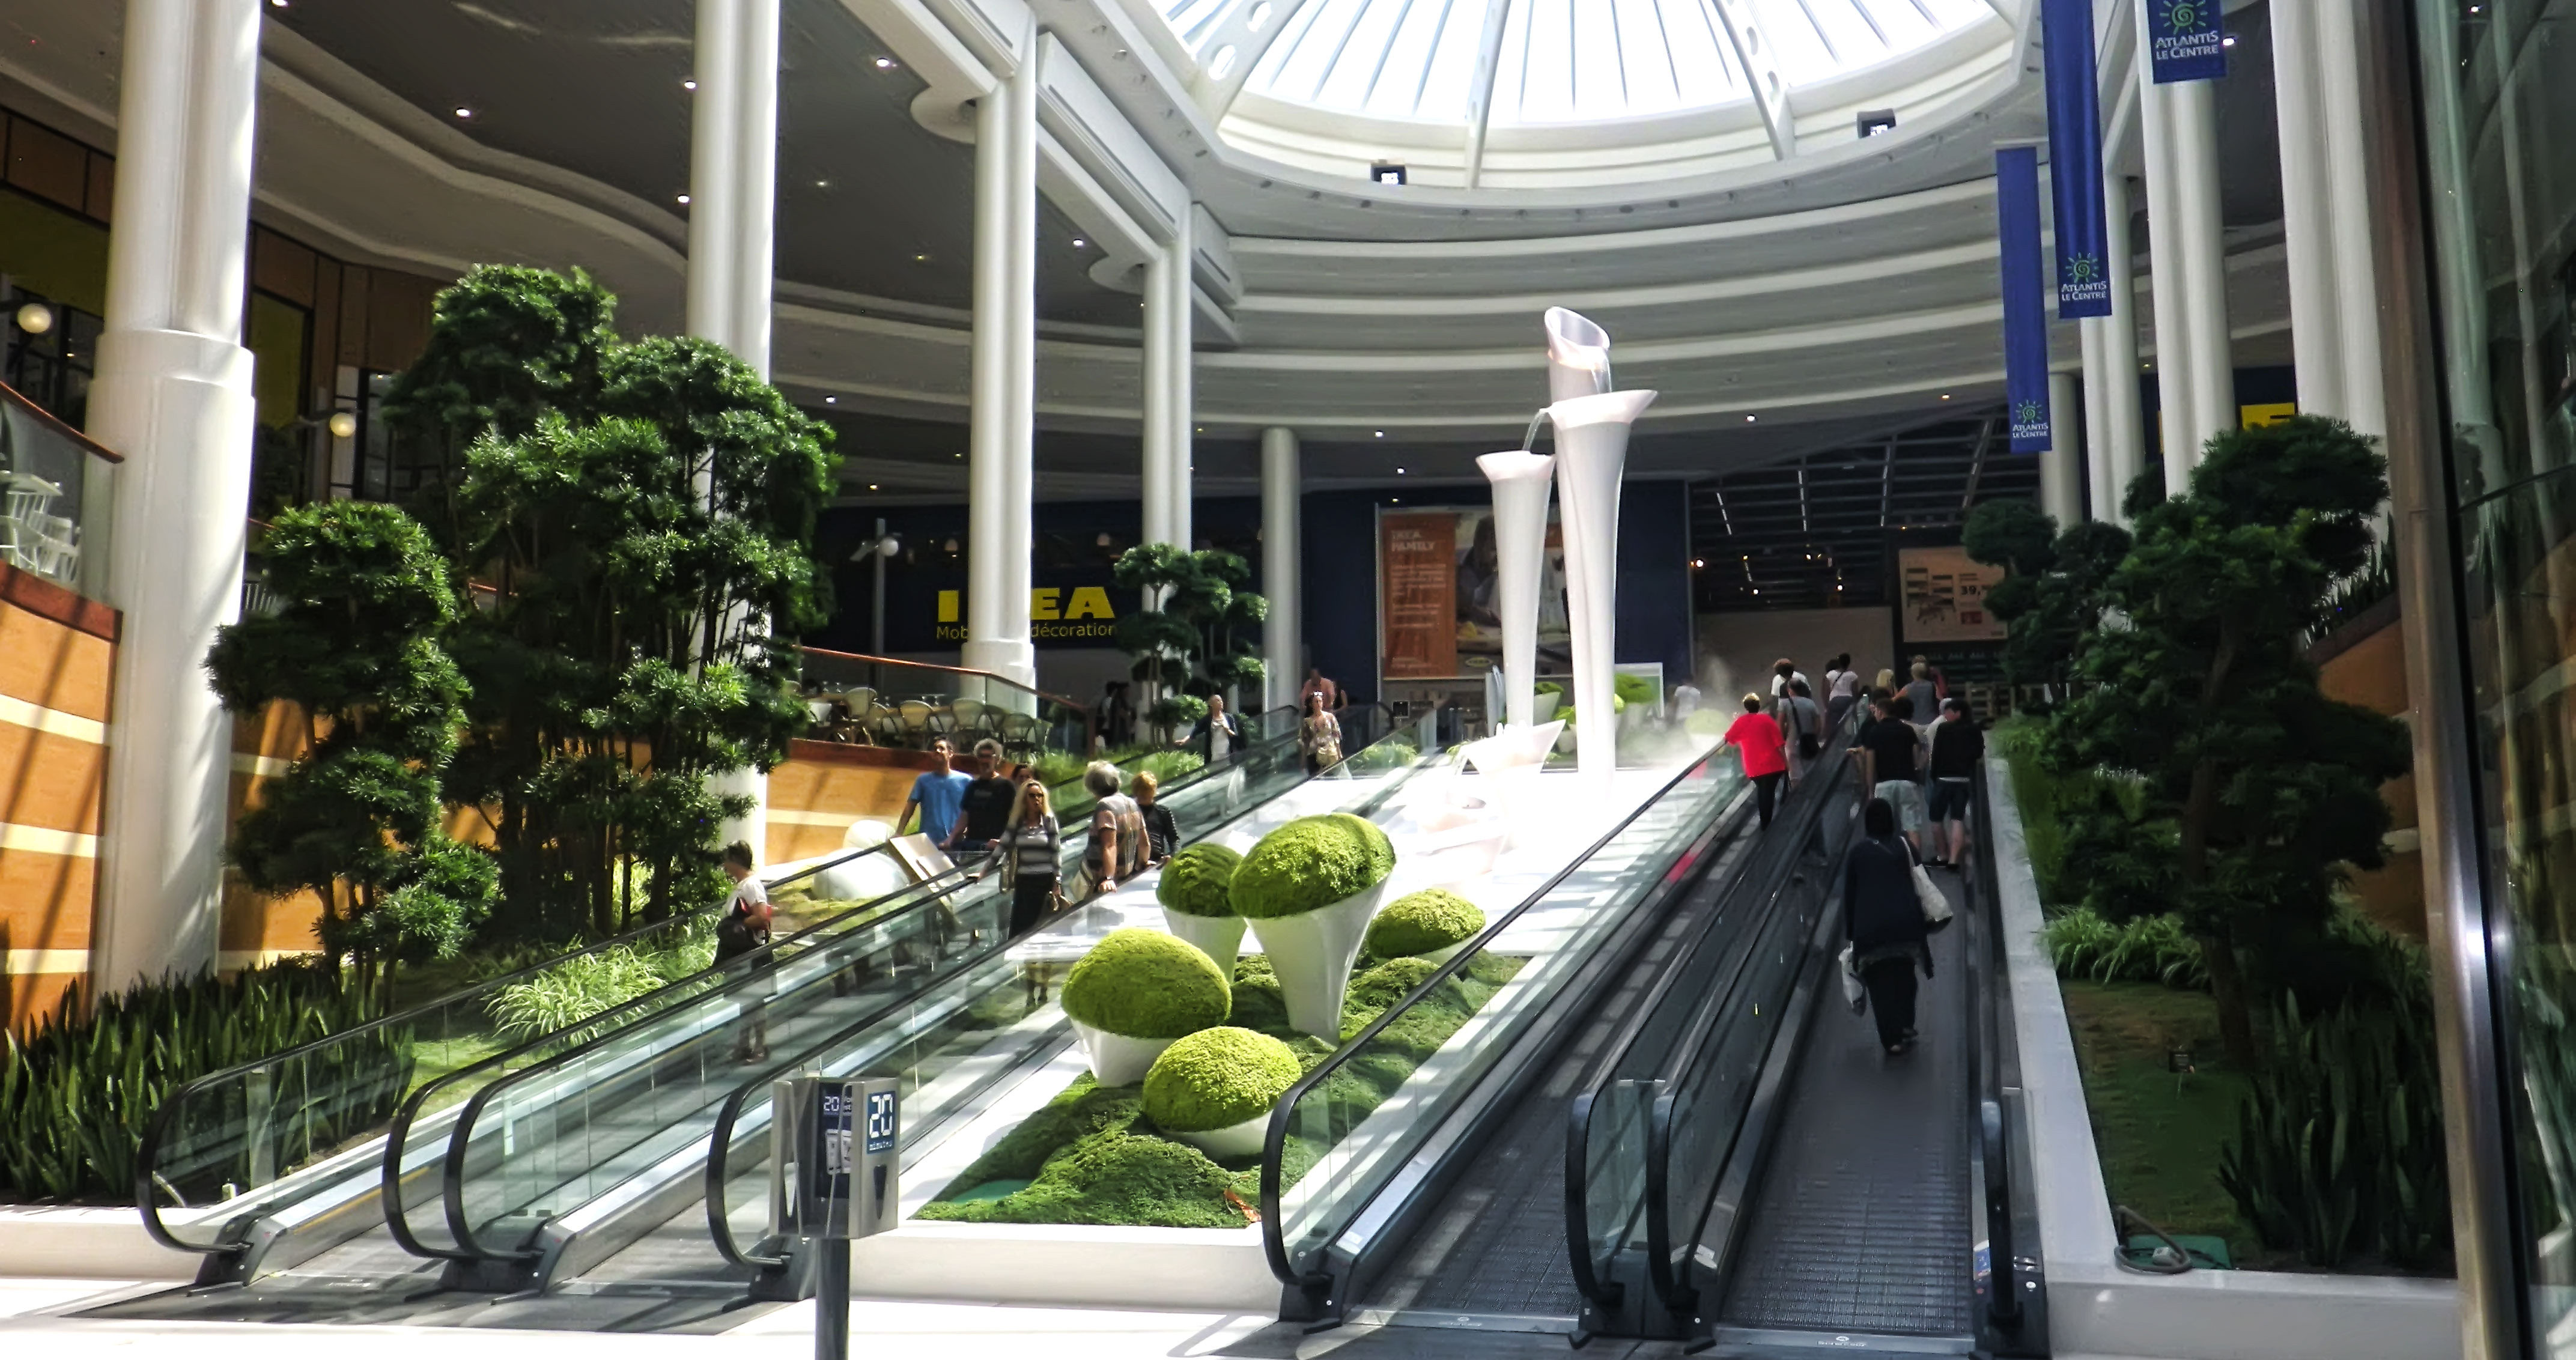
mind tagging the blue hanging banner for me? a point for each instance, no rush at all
(2186, 40)
(2075, 158)
(2025, 313)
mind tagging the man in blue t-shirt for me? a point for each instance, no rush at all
(937, 793)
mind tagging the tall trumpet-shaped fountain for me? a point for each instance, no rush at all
(1591, 421)
(1520, 480)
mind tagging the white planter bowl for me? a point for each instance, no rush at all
(1312, 954)
(1543, 706)
(1218, 937)
(1234, 1140)
(1117, 1060)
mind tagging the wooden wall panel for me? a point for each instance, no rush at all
(2368, 668)
(53, 665)
(50, 781)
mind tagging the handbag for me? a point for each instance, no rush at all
(1936, 908)
(1853, 991)
(735, 934)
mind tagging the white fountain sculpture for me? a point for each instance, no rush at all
(1591, 421)
(1520, 480)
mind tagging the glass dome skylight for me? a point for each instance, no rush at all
(1558, 61)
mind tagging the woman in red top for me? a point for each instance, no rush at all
(1766, 754)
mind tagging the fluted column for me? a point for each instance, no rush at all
(1003, 384)
(2061, 469)
(1167, 400)
(1283, 559)
(173, 395)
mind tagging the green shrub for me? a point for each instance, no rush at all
(575, 990)
(1145, 984)
(1194, 881)
(77, 1093)
(1380, 987)
(1218, 1078)
(1632, 689)
(1421, 922)
(1059, 767)
(2149, 949)
(1391, 754)
(1309, 863)
(1167, 766)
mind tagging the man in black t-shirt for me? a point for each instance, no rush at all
(1888, 744)
(1957, 747)
(985, 810)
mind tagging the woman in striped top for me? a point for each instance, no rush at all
(1032, 852)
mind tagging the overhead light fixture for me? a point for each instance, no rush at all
(342, 425)
(1079, 243)
(464, 112)
(1945, 396)
(277, 4)
(872, 486)
(1381, 434)
(822, 184)
(1876, 123)
(1399, 472)
(831, 401)
(885, 63)
(949, 546)
(1696, 564)
(688, 84)
(1102, 541)
(1748, 420)
(1386, 173)
(684, 200)
(921, 259)
(35, 318)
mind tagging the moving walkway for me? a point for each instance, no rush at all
(1685, 1133)
(336, 1166)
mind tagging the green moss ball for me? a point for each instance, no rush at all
(1383, 986)
(1311, 862)
(1194, 882)
(1145, 984)
(1418, 923)
(1218, 1078)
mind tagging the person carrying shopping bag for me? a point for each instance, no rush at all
(1884, 920)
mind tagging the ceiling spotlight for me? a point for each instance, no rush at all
(688, 84)
(342, 424)
(831, 401)
(1399, 472)
(464, 112)
(1748, 420)
(35, 318)
(1696, 564)
(1381, 434)
(885, 63)
(277, 4)
(822, 184)
(1079, 243)
(872, 486)
(920, 259)
(684, 200)
(1945, 396)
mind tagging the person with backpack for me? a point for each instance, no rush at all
(743, 929)
(1802, 724)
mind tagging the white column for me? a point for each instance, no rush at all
(2061, 480)
(733, 195)
(2193, 121)
(1003, 385)
(1167, 408)
(2307, 223)
(2117, 439)
(1283, 558)
(173, 395)
(2165, 275)
(2347, 185)
(1183, 358)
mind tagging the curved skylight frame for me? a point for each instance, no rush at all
(1552, 62)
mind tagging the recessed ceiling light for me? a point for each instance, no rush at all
(831, 401)
(688, 84)
(885, 63)
(1945, 396)
(1381, 434)
(822, 184)
(1079, 243)
(1748, 420)
(1399, 472)
(464, 112)
(684, 200)
(920, 259)
(277, 4)
(873, 486)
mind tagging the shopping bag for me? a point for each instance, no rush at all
(1936, 908)
(1853, 992)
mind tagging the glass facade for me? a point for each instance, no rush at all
(2498, 116)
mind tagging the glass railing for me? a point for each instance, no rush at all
(559, 1122)
(1655, 1121)
(879, 701)
(55, 497)
(994, 1016)
(1340, 1135)
(232, 1146)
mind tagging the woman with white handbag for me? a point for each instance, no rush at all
(1888, 923)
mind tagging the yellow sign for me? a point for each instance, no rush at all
(2268, 413)
(1054, 612)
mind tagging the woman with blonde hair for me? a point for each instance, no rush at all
(1032, 852)
(1162, 833)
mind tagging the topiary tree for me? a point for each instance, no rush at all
(355, 647)
(2239, 794)
(638, 520)
(2053, 594)
(1196, 633)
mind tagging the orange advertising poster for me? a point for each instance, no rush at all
(1419, 553)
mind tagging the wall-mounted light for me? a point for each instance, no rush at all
(1386, 173)
(342, 425)
(35, 318)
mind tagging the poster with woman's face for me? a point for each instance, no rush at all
(1441, 617)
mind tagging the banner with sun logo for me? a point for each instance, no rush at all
(2186, 40)
(2075, 159)
(2025, 311)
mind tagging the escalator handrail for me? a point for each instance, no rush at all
(1994, 1141)
(1588, 1098)
(1274, 1139)
(1674, 1289)
(729, 1115)
(744, 969)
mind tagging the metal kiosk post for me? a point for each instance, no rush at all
(839, 1135)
